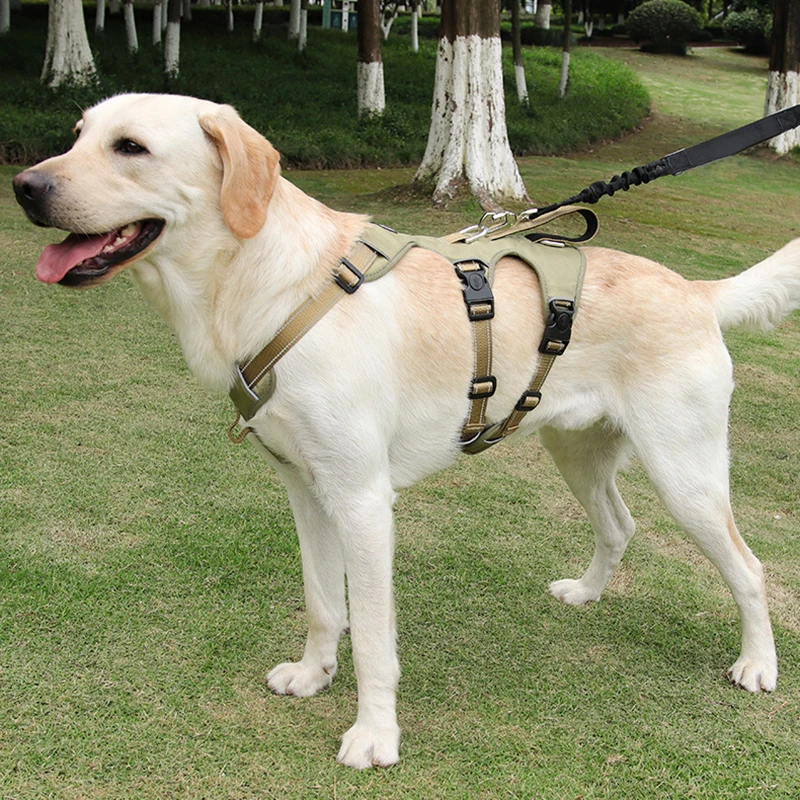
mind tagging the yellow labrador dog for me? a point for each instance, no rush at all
(189, 200)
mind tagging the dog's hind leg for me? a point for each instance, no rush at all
(589, 461)
(323, 581)
(683, 448)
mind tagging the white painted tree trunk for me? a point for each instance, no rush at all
(294, 19)
(100, 16)
(415, 30)
(302, 35)
(258, 21)
(542, 18)
(468, 139)
(157, 21)
(564, 79)
(5, 16)
(783, 91)
(130, 28)
(68, 58)
(114, 6)
(164, 15)
(172, 50)
(522, 85)
(371, 94)
(387, 21)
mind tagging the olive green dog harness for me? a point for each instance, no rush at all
(558, 265)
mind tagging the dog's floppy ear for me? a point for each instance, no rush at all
(250, 170)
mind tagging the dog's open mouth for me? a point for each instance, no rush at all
(85, 257)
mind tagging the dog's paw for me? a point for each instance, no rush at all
(364, 747)
(755, 676)
(300, 679)
(573, 592)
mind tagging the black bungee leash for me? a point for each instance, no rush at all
(728, 144)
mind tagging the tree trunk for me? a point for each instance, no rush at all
(519, 64)
(783, 83)
(415, 28)
(130, 26)
(229, 7)
(302, 35)
(294, 19)
(468, 140)
(172, 41)
(5, 16)
(100, 16)
(565, 43)
(542, 18)
(157, 22)
(371, 95)
(258, 20)
(68, 58)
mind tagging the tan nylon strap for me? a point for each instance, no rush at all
(483, 383)
(309, 313)
(524, 225)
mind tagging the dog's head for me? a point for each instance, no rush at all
(142, 169)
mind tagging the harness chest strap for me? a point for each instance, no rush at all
(372, 257)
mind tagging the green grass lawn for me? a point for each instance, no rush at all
(151, 575)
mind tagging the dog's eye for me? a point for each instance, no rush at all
(129, 148)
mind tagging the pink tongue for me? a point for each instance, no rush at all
(58, 259)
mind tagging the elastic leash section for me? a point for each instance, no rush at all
(727, 144)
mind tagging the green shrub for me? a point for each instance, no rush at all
(751, 28)
(664, 26)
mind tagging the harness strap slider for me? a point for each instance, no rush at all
(528, 401)
(483, 388)
(348, 277)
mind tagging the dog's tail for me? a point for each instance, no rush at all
(761, 296)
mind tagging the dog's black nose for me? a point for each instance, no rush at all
(31, 187)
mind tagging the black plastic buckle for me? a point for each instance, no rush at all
(528, 401)
(478, 394)
(342, 281)
(558, 327)
(477, 293)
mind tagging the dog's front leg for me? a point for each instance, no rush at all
(323, 582)
(367, 529)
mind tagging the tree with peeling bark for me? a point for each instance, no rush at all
(468, 139)
(172, 40)
(783, 83)
(68, 58)
(516, 46)
(371, 94)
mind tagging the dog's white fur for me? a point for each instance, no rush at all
(373, 398)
